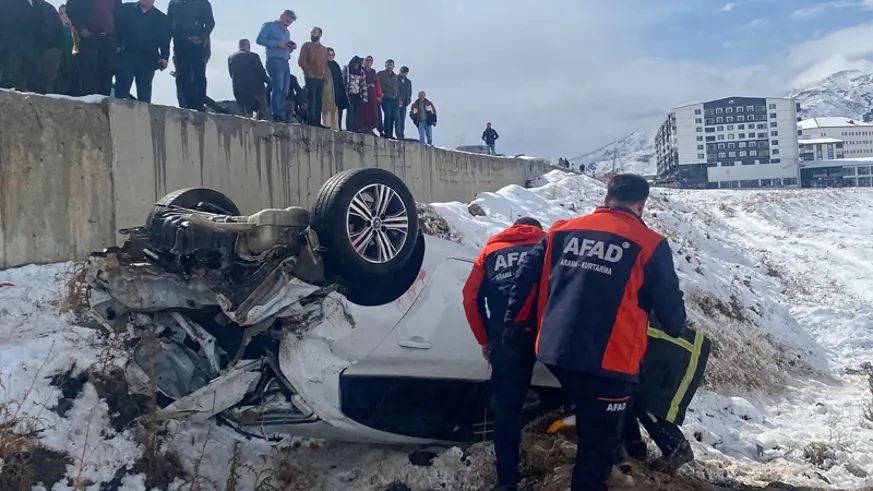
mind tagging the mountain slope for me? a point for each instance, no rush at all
(633, 153)
(848, 93)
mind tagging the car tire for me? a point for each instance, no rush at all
(378, 290)
(202, 199)
(367, 223)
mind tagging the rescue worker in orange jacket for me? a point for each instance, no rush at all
(488, 284)
(595, 279)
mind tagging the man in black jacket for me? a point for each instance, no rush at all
(43, 57)
(490, 136)
(249, 80)
(144, 46)
(15, 38)
(191, 23)
(404, 99)
(95, 22)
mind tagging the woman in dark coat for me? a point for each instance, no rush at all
(369, 114)
(356, 91)
(339, 88)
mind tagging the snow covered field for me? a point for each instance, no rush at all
(779, 279)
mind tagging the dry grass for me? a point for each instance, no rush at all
(433, 224)
(867, 369)
(74, 300)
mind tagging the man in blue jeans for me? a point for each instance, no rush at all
(277, 39)
(424, 115)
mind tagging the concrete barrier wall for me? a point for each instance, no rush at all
(73, 173)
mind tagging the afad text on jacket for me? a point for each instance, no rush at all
(492, 276)
(595, 279)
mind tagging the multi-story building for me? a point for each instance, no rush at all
(821, 148)
(735, 142)
(849, 172)
(856, 136)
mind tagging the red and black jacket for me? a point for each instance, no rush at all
(491, 278)
(595, 279)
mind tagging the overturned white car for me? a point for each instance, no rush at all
(340, 322)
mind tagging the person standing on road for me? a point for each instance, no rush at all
(276, 38)
(424, 115)
(355, 82)
(596, 278)
(313, 62)
(191, 24)
(490, 136)
(340, 94)
(144, 46)
(95, 24)
(249, 81)
(404, 98)
(390, 108)
(487, 291)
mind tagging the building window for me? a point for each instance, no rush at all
(729, 119)
(732, 154)
(762, 135)
(710, 121)
(863, 170)
(721, 137)
(775, 151)
(721, 146)
(750, 109)
(710, 130)
(761, 108)
(720, 128)
(773, 116)
(762, 117)
(741, 136)
(700, 156)
(732, 145)
(700, 147)
(773, 124)
(718, 110)
(788, 181)
(708, 112)
(762, 126)
(742, 153)
(775, 143)
(729, 109)
(753, 153)
(774, 133)
(700, 138)
(700, 129)
(741, 118)
(753, 144)
(730, 127)
(721, 155)
(710, 146)
(730, 136)
(742, 144)
(739, 109)
(698, 120)
(719, 119)
(772, 106)
(697, 111)
(708, 138)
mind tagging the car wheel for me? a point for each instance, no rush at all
(201, 199)
(367, 222)
(381, 290)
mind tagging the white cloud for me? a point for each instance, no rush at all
(730, 6)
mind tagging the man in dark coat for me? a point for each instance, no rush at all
(16, 42)
(41, 66)
(404, 99)
(144, 46)
(490, 136)
(191, 23)
(249, 81)
(95, 23)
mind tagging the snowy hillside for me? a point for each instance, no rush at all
(779, 280)
(633, 153)
(848, 93)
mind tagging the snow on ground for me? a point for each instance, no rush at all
(778, 279)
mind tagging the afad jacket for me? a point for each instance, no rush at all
(596, 278)
(491, 278)
(431, 112)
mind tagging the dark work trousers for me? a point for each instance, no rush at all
(314, 94)
(510, 382)
(390, 109)
(191, 73)
(13, 52)
(352, 117)
(600, 405)
(339, 117)
(97, 57)
(252, 102)
(401, 122)
(41, 72)
(139, 68)
(667, 436)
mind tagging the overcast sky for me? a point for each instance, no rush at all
(562, 77)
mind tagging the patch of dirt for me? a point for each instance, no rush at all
(160, 469)
(26, 463)
(433, 224)
(126, 407)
